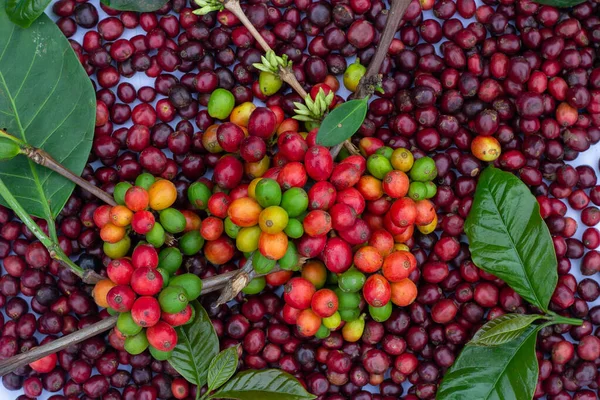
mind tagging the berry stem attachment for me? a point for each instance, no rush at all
(372, 78)
(54, 249)
(41, 157)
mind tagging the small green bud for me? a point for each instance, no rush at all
(8, 149)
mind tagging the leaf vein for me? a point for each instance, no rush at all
(514, 247)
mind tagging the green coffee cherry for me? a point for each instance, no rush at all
(117, 250)
(172, 299)
(191, 284)
(144, 180)
(378, 165)
(423, 170)
(261, 264)
(290, 260)
(8, 149)
(172, 220)
(198, 194)
(191, 243)
(170, 259)
(156, 237)
(120, 190)
(136, 344)
(126, 325)
(255, 286)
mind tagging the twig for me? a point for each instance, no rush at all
(54, 249)
(210, 285)
(41, 157)
(55, 346)
(239, 281)
(372, 78)
(286, 74)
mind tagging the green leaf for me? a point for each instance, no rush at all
(222, 367)
(560, 3)
(503, 329)
(135, 5)
(341, 123)
(268, 384)
(508, 238)
(508, 371)
(197, 345)
(47, 101)
(24, 12)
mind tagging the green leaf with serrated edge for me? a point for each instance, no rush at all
(341, 123)
(503, 329)
(48, 101)
(222, 367)
(509, 239)
(135, 5)
(268, 384)
(560, 3)
(197, 345)
(507, 371)
(24, 12)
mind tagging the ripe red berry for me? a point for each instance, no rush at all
(377, 291)
(144, 255)
(146, 311)
(142, 222)
(146, 281)
(162, 336)
(45, 364)
(136, 198)
(298, 293)
(121, 298)
(324, 303)
(179, 318)
(120, 271)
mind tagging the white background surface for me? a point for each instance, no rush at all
(591, 157)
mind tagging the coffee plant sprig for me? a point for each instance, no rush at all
(41, 157)
(197, 358)
(372, 78)
(54, 249)
(209, 285)
(509, 239)
(285, 72)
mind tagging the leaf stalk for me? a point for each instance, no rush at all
(54, 249)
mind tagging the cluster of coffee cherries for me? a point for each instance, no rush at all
(143, 208)
(149, 298)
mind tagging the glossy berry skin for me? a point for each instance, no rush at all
(146, 311)
(162, 336)
(142, 222)
(45, 364)
(120, 271)
(121, 298)
(318, 163)
(146, 281)
(144, 255)
(324, 303)
(377, 291)
(298, 293)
